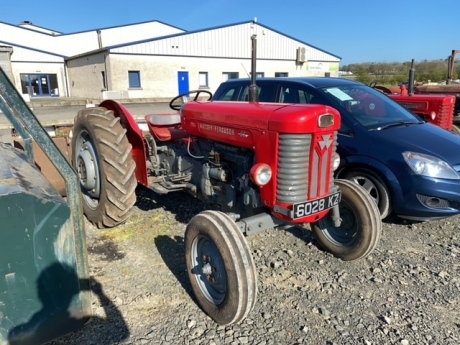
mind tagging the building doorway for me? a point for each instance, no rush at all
(40, 85)
(182, 78)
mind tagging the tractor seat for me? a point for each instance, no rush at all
(166, 127)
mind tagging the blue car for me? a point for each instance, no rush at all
(410, 167)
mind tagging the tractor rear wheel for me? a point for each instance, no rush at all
(361, 227)
(101, 156)
(220, 267)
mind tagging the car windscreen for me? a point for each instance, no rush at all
(371, 108)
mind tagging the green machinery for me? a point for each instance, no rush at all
(44, 277)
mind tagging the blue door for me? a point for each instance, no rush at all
(183, 82)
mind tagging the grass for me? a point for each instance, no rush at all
(140, 228)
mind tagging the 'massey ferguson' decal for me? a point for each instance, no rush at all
(416, 106)
(217, 129)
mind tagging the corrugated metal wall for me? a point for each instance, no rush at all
(23, 54)
(82, 42)
(230, 42)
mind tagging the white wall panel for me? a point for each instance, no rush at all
(82, 42)
(23, 54)
(136, 32)
(229, 42)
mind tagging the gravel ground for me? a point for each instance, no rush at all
(405, 292)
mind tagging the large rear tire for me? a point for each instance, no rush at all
(361, 227)
(101, 156)
(220, 267)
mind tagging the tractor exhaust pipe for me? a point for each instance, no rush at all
(253, 89)
(411, 79)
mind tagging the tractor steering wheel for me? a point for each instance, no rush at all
(183, 98)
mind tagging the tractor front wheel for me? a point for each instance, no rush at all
(220, 267)
(360, 229)
(101, 156)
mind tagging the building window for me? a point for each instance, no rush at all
(229, 75)
(281, 74)
(203, 76)
(104, 83)
(258, 74)
(36, 85)
(134, 79)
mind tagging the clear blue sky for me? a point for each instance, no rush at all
(356, 30)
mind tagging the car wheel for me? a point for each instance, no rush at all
(455, 129)
(375, 187)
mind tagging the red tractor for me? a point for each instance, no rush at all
(436, 109)
(451, 88)
(438, 104)
(265, 165)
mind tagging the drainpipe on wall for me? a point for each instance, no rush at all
(99, 39)
(66, 79)
(107, 86)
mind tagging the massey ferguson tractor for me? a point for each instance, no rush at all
(265, 165)
(449, 89)
(435, 107)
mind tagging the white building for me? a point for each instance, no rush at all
(150, 59)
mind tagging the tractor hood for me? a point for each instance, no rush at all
(238, 123)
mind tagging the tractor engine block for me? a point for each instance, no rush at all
(213, 172)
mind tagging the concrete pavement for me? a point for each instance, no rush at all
(62, 112)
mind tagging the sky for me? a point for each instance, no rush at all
(356, 30)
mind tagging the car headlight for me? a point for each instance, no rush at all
(430, 166)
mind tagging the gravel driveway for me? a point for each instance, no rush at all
(406, 292)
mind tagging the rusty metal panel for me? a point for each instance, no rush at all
(44, 275)
(44, 164)
(39, 285)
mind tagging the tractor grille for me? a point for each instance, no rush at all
(295, 152)
(444, 113)
(293, 168)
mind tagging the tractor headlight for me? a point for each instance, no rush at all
(432, 115)
(335, 161)
(326, 120)
(261, 174)
(430, 166)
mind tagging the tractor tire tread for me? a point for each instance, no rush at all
(118, 181)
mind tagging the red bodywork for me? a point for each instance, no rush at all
(439, 106)
(258, 126)
(255, 126)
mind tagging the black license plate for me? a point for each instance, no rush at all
(307, 208)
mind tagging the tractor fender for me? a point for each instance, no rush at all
(134, 135)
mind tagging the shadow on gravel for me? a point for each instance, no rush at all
(183, 205)
(172, 252)
(303, 234)
(57, 286)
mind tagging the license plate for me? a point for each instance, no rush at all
(307, 208)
